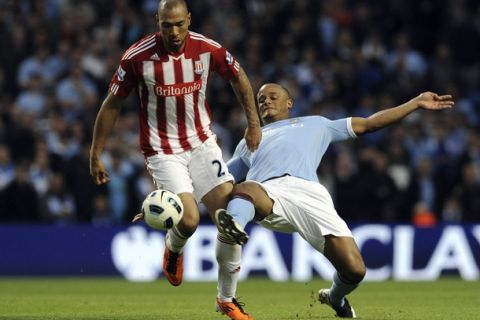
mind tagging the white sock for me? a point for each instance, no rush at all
(228, 257)
(340, 289)
(175, 240)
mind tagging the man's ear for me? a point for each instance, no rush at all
(189, 19)
(289, 103)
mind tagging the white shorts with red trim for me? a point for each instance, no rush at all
(196, 171)
(305, 207)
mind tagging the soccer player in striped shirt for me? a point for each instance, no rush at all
(169, 71)
(282, 191)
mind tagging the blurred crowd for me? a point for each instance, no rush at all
(338, 58)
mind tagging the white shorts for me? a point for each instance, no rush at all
(196, 171)
(305, 207)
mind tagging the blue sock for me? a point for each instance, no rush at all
(241, 210)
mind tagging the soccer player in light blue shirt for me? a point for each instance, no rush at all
(292, 146)
(282, 192)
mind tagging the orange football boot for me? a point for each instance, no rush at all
(173, 266)
(233, 309)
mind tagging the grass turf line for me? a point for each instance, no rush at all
(117, 299)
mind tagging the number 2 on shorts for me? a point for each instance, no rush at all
(220, 171)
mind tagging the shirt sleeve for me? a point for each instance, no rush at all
(225, 64)
(340, 129)
(237, 165)
(124, 79)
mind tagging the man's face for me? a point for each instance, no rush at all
(274, 103)
(174, 23)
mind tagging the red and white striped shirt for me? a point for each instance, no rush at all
(171, 87)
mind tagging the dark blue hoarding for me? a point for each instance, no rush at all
(399, 252)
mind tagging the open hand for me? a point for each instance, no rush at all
(432, 101)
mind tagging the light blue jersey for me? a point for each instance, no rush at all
(291, 146)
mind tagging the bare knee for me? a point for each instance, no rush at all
(345, 256)
(354, 272)
(217, 197)
(244, 190)
(254, 193)
(191, 216)
(188, 224)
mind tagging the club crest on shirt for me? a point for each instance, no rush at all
(198, 67)
(228, 57)
(120, 73)
(294, 122)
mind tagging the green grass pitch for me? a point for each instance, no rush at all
(117, 299)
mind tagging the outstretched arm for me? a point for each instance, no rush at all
(381, 119)
(243, 90)
(106, 118)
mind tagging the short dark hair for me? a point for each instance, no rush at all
(279, 85)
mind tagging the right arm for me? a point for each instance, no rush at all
(106, 118)
(244, 93)
(229, 68)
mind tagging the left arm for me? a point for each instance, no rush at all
(243, 90)
(384, 118)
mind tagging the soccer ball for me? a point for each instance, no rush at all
(162, 209)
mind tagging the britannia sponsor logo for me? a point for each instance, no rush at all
(178, 89)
